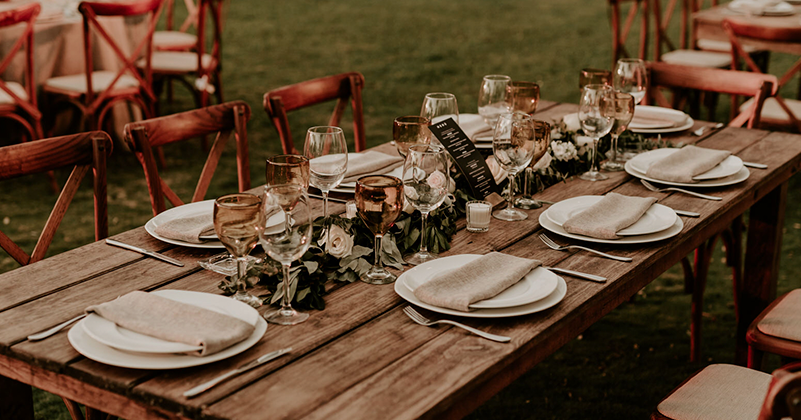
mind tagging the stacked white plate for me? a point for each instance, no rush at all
(105, 342)
(730, 171)
(658, 223)
(537, 291)
(653, 119)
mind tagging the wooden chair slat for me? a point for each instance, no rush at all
(211, 165)
(58, 212)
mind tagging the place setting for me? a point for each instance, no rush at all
(690, 166)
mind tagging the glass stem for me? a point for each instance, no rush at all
(377, 249)
(241, 273)
(613, 157)
(325, 219)
(511, 195)
(423, 243)
(286, 304)
(526, 181)
(594, 158)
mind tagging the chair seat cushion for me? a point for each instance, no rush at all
(698, 58)
(784, 320)
(173, 40)
(718, 392)
(176, 61)
(720, 46)
(100, 82)
(772, 111)
(18, 90)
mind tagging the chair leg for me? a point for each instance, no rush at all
(755, 358)
(703, 256)
(74, 409)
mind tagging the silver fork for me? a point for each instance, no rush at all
(553, 245)
(420, 319)
(654, 188)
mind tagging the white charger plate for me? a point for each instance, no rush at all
(720, 182)
(110, 334)
(681, 121)
(102, 353)
(536, 285)
(728, 167)
(656, 219)
(640, 239)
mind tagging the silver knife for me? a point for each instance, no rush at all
(244, 368)
(579, 274)
(755, 165)
(687, 213)
(152, 254)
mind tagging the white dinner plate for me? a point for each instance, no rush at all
(778, 9)
(536, 285)
(680, 120)
(190, 210)
(102, 353)
(640, 239)
(110, 334)
(728, 167)
(549, 301)
(720, 182)
(350, 187)
(656, 219)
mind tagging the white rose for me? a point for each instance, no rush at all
(544, 162)
(408, 207)
(572, 122)
(497, 172)
(563, 151)
(437, 180)
(341, 242)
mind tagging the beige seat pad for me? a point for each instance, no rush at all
(18, 90)
(176, 61)
(784, 320)
(698, 58)
(100, 81)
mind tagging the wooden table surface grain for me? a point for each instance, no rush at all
(362, 357)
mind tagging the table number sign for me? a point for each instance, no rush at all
(470, 162)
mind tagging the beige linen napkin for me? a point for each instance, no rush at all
(609, 215)
(187, 229)
(370, 163)
(474, 126)
(167, 319)
(477, 280)
(688, 162)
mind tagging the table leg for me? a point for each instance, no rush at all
(762, 252)
(16, 400)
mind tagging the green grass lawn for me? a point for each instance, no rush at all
(620, 367)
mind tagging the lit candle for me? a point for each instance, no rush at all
(478, 216)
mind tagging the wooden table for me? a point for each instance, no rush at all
(362, 357)
(707, 25)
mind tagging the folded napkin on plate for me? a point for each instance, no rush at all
(170, 320)
(688, 162)
(187, 229)
(477, 280)
(609, 215)
(473, 125)
(370, 163)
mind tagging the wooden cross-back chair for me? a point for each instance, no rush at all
(95, 92)
(223, 119)
(177, 39)
(342, 87)
(85, 152)
(723, 391)
(682, 52)
(620, 33)
(778, 111)
(731, 82)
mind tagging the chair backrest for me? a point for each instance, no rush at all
(738, 29)
(621, 34)
(90, 12)
(341, 87)
(732, 82)
(206, 8)
(222, 119)
(25, 14)
(85, 152)
(784, 394)
(189, 21)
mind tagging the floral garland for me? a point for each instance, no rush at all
(350, 253)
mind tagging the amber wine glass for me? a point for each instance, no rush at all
(288, 169)
(624, 112)
(524, 97)
(379, 201)
(286, 243)
(542, 139)
(590, 76)
(410, 130)
(237, 218)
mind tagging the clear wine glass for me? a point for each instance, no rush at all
(524, 97)
(410, 130)
(542, 139)
(493, 98)
(631, 77)
(425, 185)
(328, 161)
(237, 218)
(288, 169)
(286, 243)
(379, 202)
(624, 112)
(439, 106)
(591, 76)
(513, 145)
(596, 114)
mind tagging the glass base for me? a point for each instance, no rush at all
(593, 176)
(225, 264)
(510, 215)
(286, 317)
(420, 258)
(247, 298)
(378, 275)
(527, 203)
(612, 165)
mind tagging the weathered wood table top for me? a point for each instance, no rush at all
(362, 358)
(707, 25)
